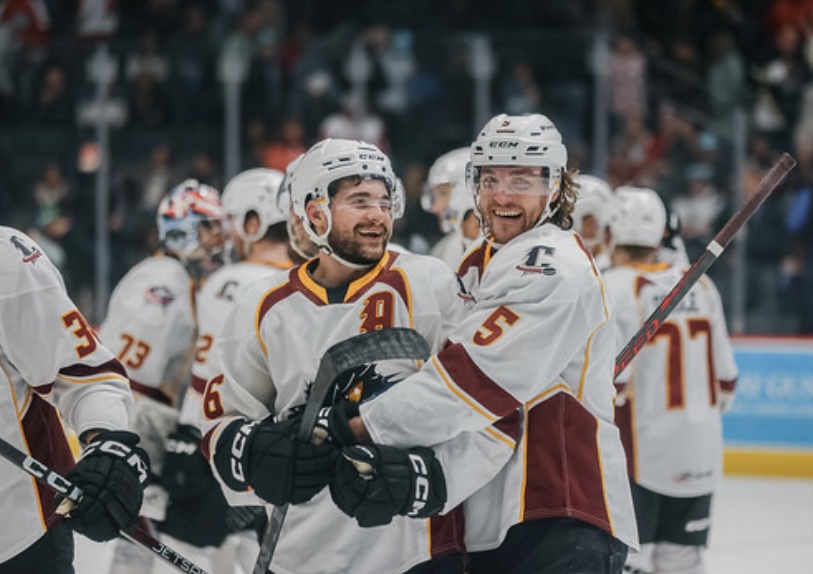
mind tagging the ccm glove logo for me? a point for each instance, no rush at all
(238, 449)
(421, 495)
(120, 450)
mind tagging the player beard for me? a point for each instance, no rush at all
(357, 248)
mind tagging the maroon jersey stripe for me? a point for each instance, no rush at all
(48, 444)
(446, 533)
(474, 382)
(563, 472)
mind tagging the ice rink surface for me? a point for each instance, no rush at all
(760, 526)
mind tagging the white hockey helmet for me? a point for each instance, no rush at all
(520, 140)
(449, 169)
(181, 214)
(254, 190)
(330, 160)
(596, 200)
(639, 218)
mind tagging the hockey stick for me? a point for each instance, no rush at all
(395, 343)
(70, 491)
(713, 250)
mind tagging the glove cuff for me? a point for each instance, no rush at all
(231, 454)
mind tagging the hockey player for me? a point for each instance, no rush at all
(152, 327)
(674, 392)
(538, 337)
(196, 513)
(54, 369)
(592, 215)
(345, 194)
(445, 195)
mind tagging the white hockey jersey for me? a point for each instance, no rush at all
(537, 338)
(49, 357)
(151, 326)
(671, 419)
(451, 248)
(266, 371)
(215, 300)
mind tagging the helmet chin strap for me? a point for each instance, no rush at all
(321, 242)
(355, 266)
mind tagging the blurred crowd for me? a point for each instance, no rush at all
(701, 98)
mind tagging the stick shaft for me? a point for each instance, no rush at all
(70, 491)
(713, 250)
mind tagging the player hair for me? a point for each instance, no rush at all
(278, 233)
(566, 201)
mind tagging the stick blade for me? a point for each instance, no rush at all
(395, 343)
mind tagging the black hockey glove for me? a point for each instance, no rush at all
(373, 483)
(111, 473)
(186, 473)
(333, 424)
(268, 458)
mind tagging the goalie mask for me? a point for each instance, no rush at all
(191, 221)
(331, 160)
(523, 141)
(639, 218)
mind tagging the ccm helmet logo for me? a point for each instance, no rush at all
(503, 144)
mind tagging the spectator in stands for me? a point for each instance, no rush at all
(355, 121)
(286, 147)
(147, 59)
(698, 210)
(627, 79)
(148, 105)
(96, 20)
(520, 92)
(54, 105)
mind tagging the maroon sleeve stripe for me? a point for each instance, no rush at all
(467, 376)
(83, 370)
(151, 392)
(728, 385)
(198, 383)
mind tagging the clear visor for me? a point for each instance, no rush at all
(393, 202)
(538, 180)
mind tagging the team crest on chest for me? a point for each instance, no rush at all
(534, 261)
(159, 295)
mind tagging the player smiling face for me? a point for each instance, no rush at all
(361, 211)
(512, 199)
